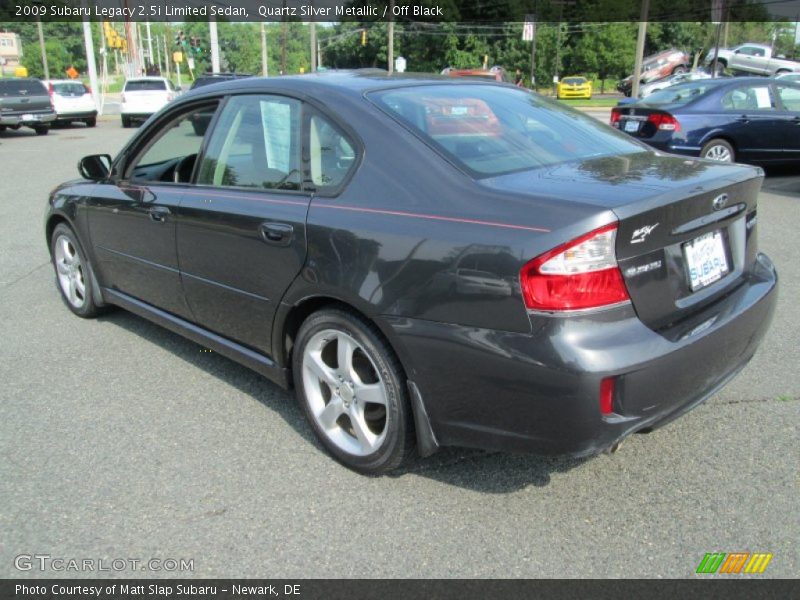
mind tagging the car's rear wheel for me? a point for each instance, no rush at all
(719, 150)
(91, 121)
(73, 275)
(41, 130)
(126, 122)
(679, 69)
(353, 391)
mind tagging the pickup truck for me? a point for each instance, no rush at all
(25, 103)
(755, 59)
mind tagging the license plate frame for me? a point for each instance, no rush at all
(29, 117)
(706, 259)
(630, 126)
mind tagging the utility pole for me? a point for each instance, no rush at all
(89, 44)
(149, 43)
(214, 45)
(264, 56)
(41, 45)
(284, 36)
(637, 68)
(390, 41)
(313, 35)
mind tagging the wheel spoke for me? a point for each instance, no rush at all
(61, 267)
(73, 296)
(79, 284)
(320, 369)
(334, 409)
(66, 248)
(372, 393)
(365, 437)
(344, 357)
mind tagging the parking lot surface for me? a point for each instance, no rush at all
(122, 440)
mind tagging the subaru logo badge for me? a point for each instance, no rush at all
(720, 201)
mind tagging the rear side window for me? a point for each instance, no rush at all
(332, 154)
(70, 89)
(681, 94)
(145, 85)
(256, 144)
(790, 97)
(750, 97)
(490, 130)
(24, 87)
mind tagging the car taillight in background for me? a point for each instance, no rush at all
(664, 122)
(577, 275)
(615, 118)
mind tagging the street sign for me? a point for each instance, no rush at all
(190, 62)
(177, 57)
(400, 64)
(529, 28)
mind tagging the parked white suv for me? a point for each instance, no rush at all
(145, 96)
(72, 101)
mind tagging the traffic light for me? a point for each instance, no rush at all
(363, 37)
(180, 39)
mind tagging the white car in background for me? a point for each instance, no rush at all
(655, 86)
(72, 101)
(793, 77)
(145, 96)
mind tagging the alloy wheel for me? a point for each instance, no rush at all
(720, 153)
(345, 392)
(70, 272)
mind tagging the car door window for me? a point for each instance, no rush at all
(255, 145)
(331, 152)
(790, 97)
(749, 98)
(171, 154)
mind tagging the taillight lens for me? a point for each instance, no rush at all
(607, 386)
(580, 274)
(615, 118)
(664, 122)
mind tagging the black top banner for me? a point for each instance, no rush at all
(424, 11)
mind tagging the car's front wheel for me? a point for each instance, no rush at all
(41, 130)
(718, 150)
(73, 275)
(91, 121)
(352, 389)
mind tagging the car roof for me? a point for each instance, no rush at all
(757, 45)
(348, 83)
(146, 79)
(62, 81)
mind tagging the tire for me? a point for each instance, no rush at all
(679, 69)
(370, 437)
(126, 122)
(719, 150)
(2, 128)
(41, 130)
(91, 122)
(73, 274)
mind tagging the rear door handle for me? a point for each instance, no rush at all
(743, 119)
(280, 234)
(158, 213)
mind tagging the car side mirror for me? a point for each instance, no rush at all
(95, 167)
(736, 51)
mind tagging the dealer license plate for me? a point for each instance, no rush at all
(631, 126)
(29, 117)
(706, 260)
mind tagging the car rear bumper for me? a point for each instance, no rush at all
(75, 114)
(539, 392)
(38, 119)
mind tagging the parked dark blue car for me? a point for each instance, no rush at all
(744, 119)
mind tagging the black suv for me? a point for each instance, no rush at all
(25, 102)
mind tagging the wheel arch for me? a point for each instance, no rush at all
(719, 135)
(53, 221)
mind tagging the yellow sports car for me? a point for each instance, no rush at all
(574, 87)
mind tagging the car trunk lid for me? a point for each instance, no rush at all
(684, 232)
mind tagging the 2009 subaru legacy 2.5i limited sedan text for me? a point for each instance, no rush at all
(429, 262)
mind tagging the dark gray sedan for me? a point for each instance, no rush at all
(428, 261)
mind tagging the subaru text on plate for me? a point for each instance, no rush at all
(427, 261)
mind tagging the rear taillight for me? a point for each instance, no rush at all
(664, 122)
(577, 275)
(615, 117)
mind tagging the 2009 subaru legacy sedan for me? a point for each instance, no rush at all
(428, 262)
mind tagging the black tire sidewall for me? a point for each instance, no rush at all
(399, 439)
(89, 308)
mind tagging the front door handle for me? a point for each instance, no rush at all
(158, 213)
(743, 119)
(280, 234)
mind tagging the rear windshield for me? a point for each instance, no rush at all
(29, 87)
(682, 93)
(145, 85)
(491, 130)
(71, 89)
(573, 80)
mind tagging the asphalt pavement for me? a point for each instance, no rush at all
(120, 440)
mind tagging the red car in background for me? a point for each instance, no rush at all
(658, 66)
